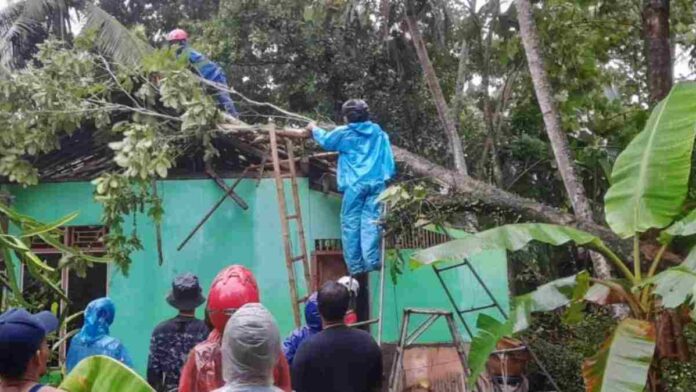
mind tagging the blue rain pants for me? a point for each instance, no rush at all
(361, 233)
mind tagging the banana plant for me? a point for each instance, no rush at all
(649, 187)
(16, 247)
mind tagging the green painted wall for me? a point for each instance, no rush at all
(421, 288)
(231, 236)
(252, 238)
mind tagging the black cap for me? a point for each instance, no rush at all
(186, 292)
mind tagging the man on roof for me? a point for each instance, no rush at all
(206, 68)
(365, 164)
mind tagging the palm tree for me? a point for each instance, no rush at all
(26, 23)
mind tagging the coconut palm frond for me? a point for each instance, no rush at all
(23, 25)
(112, 38)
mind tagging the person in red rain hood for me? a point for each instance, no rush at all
(232, 288)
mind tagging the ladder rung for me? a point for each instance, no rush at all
(292, 217)
(298, 258)
(478, 308)
(303, 299)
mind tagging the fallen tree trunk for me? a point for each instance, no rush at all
(493, 196)
(466, 186)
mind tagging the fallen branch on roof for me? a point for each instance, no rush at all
(464, 185)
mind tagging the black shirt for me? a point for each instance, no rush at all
(171, 342)
(338, 359)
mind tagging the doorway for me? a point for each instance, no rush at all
(328, 264)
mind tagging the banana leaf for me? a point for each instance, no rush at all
(510, 237)
(651, 176)
(483, 344)
(49, 227)
(622, 363)
(547, 297)
(682, 228)
(103, 374)
(675, 285)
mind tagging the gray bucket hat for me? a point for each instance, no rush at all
(186, 292)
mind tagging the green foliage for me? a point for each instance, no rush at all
(683, 228)
(648, 190)
(508, 237)
(677, 284)
(623, 362)
(147, 114)
(561, 348)
(681, 376)
(651, 176)
(14, 248)
(104, 373)
(548, 297)
(491, 331)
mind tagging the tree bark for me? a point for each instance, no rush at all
(486, 96)
(658, 50)
(552, 121)
(384, 11)
(460, 85)
(438, 97)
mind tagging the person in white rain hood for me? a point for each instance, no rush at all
(250, 350)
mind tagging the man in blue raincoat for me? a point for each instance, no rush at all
(93, 338)
(299, 335)
(207, 69)
(365, 164)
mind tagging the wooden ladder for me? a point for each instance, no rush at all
(285, 218)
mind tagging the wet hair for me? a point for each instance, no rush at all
(355, 111)
(14, 359)
(333, 301)
(357, 116)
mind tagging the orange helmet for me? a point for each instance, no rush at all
(232, 288)
(177, 35)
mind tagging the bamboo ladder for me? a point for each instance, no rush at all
(286, 218)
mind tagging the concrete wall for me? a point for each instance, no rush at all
(252, 238)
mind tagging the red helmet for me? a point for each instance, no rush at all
(232, 288)
(177, 35)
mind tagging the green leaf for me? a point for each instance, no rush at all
(682, 228)
(623, 362)
(10, 271)
(71, 251)
(447, 230)
(547, 297)
(490, 331)
(650, 178)
(675, 285)
(114, 39)
(31, 268)
(13, 242)
(50, 226)
(101, 373)
(544, 298)
(511, 237)
(573, 314)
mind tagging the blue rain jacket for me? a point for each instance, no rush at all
(313, 320)
(93, 338)
(206, 68)
(209, 70)
(365, 154)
